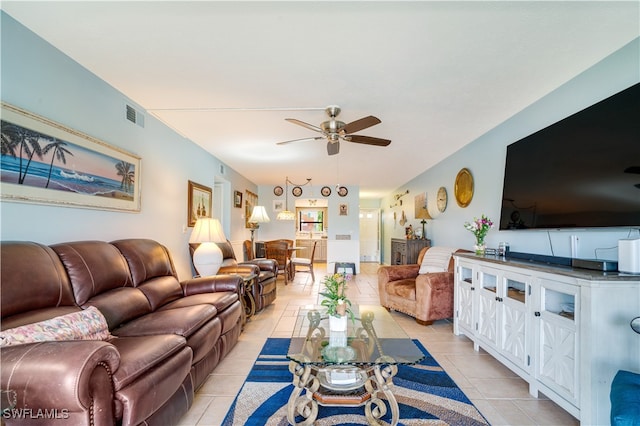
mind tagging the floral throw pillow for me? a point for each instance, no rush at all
(88, 324)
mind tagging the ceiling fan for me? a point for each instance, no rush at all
(334, 130)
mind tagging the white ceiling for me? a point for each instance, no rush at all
(438, 74)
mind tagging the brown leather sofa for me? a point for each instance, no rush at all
(166, 335)
(264, 288)
(426, 297)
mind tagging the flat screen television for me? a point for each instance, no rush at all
(581, 172)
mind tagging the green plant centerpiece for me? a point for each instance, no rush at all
(335, 299)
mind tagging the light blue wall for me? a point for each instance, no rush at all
(336, 224)
(41, 79)
(485, 159)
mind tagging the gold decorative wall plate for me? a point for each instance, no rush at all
(463, 188)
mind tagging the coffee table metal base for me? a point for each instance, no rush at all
(309, 391)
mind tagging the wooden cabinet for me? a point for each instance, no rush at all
(563, 330)
(405, 252)
(307, 244)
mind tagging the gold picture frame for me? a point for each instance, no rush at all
(199, 202)
(45, 162)
(251, 200)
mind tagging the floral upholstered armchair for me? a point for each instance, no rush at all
(423, 290)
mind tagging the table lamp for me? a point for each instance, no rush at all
(258, 216)
(207, 258)
(423, 213)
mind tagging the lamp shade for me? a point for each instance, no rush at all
(207, 230)
(286, 215)
(207, 258)
(259, 215)
(423, 213)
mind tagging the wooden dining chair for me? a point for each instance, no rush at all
(279, 250)
(306, 263)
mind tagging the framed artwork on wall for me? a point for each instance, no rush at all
(251, 200)
(237, 199)
(198, 202)
(343, 209)
(44, 162)
(278, 206)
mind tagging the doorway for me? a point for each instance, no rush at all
(370, 235)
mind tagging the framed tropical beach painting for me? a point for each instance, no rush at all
(45, 162)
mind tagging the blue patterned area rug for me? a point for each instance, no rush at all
(426, 395)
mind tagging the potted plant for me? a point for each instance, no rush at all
(335, 300)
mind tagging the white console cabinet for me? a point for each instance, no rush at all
(563, 330)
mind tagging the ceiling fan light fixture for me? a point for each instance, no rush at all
(333, 130)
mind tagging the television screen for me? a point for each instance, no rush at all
(581, 172)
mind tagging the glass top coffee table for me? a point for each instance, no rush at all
(352, 368)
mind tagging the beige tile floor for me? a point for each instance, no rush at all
(499, 394)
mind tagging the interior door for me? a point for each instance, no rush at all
(370, 235)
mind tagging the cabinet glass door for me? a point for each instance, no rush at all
(556, 361)
(513, 319)
(487, 306)
(464, 301)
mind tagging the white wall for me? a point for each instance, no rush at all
(485, 159)
(40, 79)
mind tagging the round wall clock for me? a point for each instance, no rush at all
(296, 191)
(325, 191)
(343, 191)
(442, 199)
(278, 191)
(463, 188)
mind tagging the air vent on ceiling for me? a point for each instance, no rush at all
(134, 116)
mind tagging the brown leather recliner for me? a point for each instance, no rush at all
(166, 335)
(426, 297)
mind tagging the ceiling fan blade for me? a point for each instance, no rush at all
(300, 140)
(367, 140)
(333, 148)
(363, 123)
(303, 124)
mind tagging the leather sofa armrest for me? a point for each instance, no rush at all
(240, 268)
(212, 284)
(72, 379)
(434, 295)
(269, 265)
(397, 272)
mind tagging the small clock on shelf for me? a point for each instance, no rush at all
(343, 191)
(296, 191)
(278, 191)
(325, 191)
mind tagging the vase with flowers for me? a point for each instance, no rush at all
(335, 300)
(479, 228)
